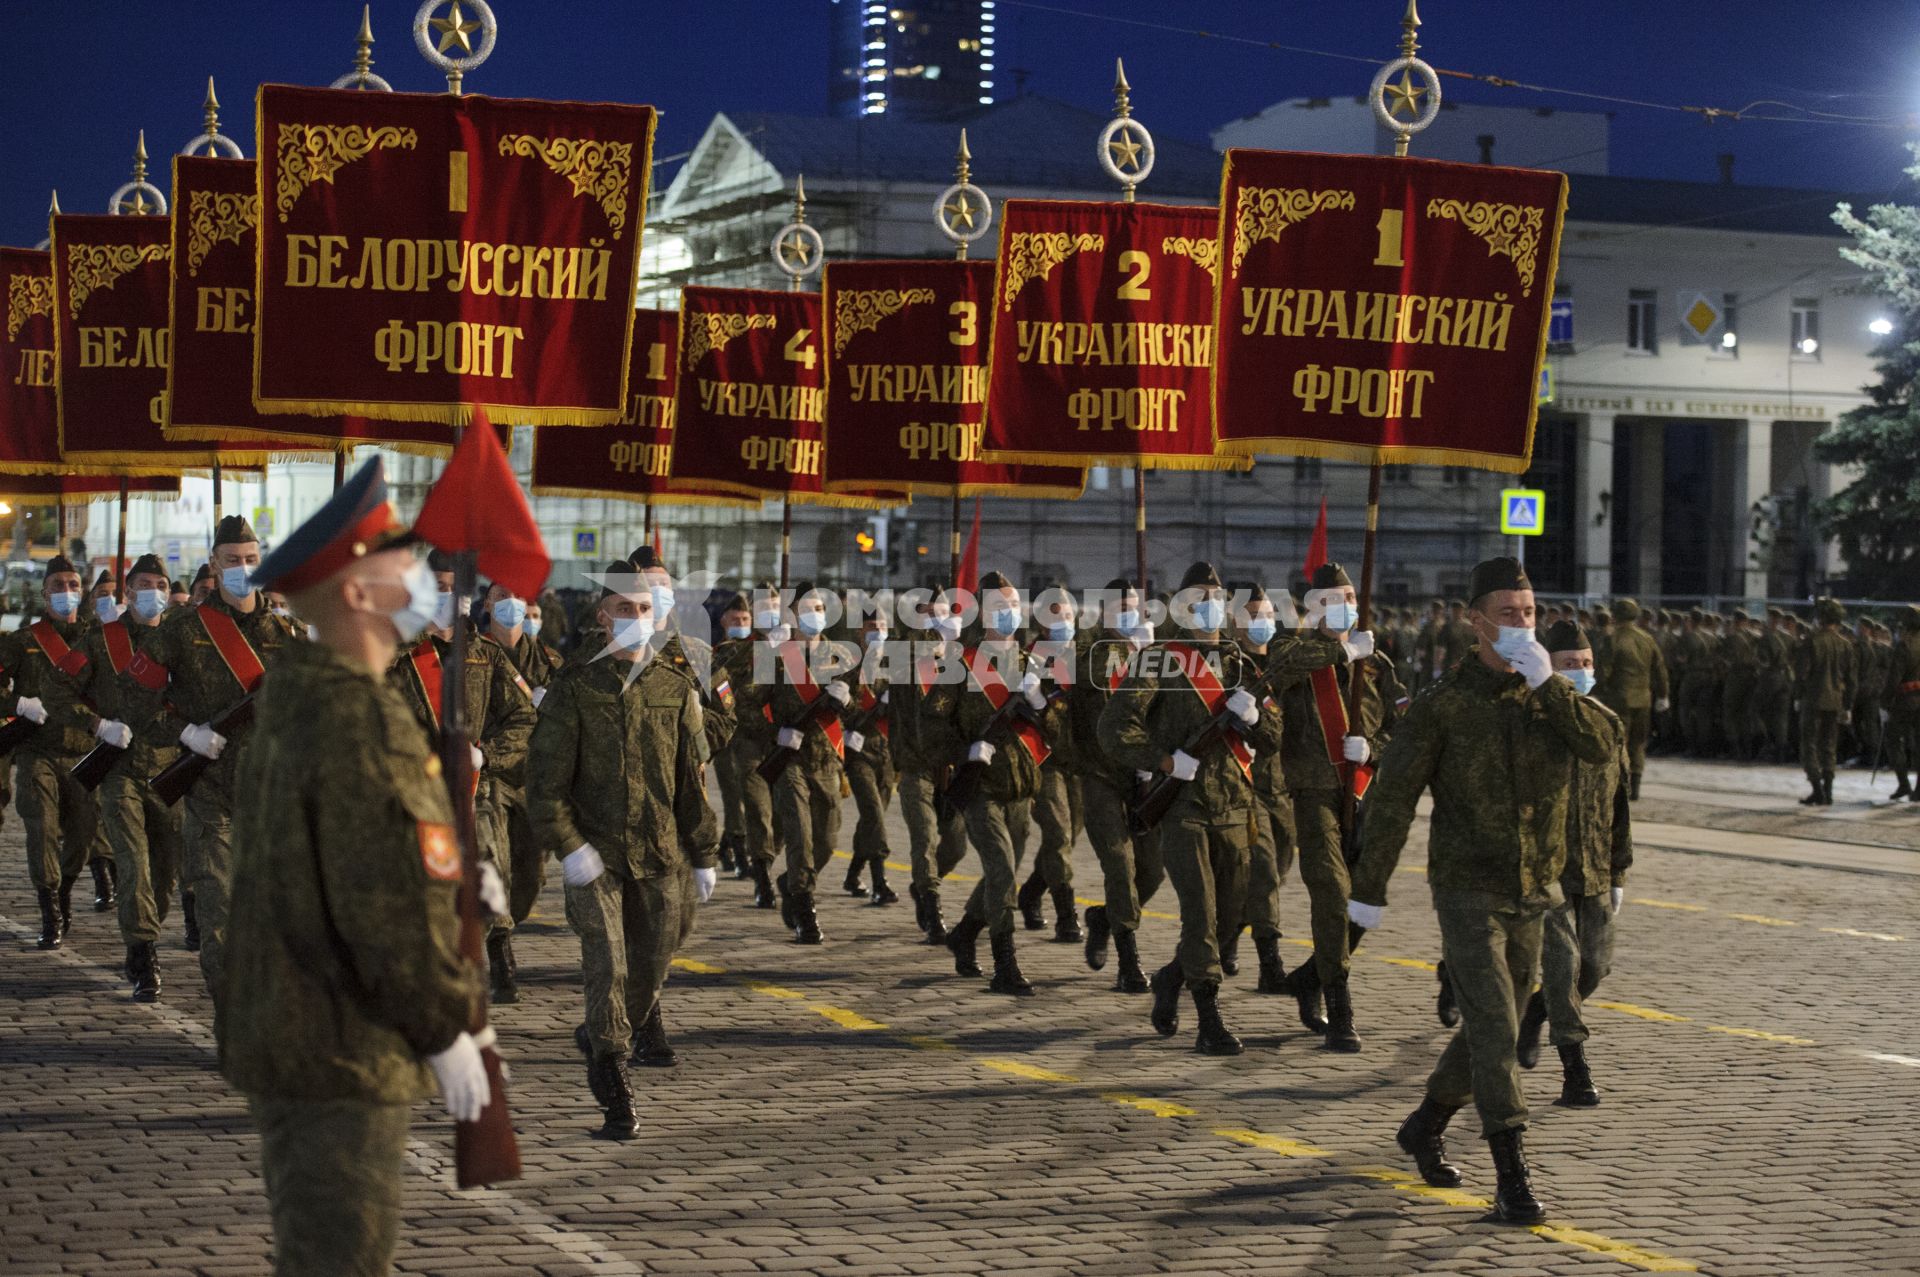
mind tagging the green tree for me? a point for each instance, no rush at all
(1874, 518)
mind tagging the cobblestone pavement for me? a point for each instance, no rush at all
(858, 1109)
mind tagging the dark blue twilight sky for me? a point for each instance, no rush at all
(78, 77)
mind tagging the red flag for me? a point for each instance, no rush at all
(1317, 547)
(477, 505)
(970, 556)
(658, 551)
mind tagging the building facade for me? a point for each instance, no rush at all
(912, 59)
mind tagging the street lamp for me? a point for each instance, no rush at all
(1882, 327)
(1729, 339)
(1809, 346)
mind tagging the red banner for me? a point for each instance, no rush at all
(29, 411)
(1385, 310)
(216, 235)
(424, 253)
(751, 398)
(45, 489)
(1103, 335)
(907, 384)
(111, 344)
(629, 461)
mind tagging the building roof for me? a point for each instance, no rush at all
(1643, 201)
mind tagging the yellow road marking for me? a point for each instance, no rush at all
(1763, 920)
(774, 990)
(1415, 963)
(1645, 1013)
(1272, 1143)
(1785, 1038)
(926, 1042)
(1147, 1104)
(1651, 1261)
(698, 968)
(844, 1018)
(1031, 1071)
(1860, 935)
(1669, 904)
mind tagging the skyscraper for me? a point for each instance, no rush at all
(917, 59)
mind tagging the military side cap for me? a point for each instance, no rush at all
(1829, 611)
(61, 563)
(235, 530)
(645, 558)
(105, 578)
(148, 564)
(620, 579)
(1910, 617)
(1565, 636)
(179, 586)
(1625, 610)
(355, 522)
(988, 581)
(1740, 614)
(736, 602)
(1256, 593)
(1503, 573)
(1120, 586)
(1201, 573)
(439, 560)
(204, 574)
(1330, 576)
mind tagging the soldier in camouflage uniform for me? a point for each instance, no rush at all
(1901, 697)
(870, 771)
(1496, 742)
(917, 706)
(1773, 699)
(1456, 639)
(1576, 949)
(1055, 805)
(344, 993)
(673, 642)
(143, 831)
(1201, 679)
(734, 657)
(1875, 655)
(1826, 671)
(1432, 644)
(1633, 684)
(1700, 694)
(1739, 679)
(617, 778)
(511, 624)
(808, 701)
(753, 740)
(46, 672)
(183, 671)
(500, 717)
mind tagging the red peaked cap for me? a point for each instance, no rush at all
(477, 505)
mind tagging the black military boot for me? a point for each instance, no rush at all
(1098, 934)
(919, 907)
(1006, 968)
(1166, 984)
(1576, 1083)
(762, 885)
(742, 863)
(787, 918)
(882, 894)
(1633, 787)
(962, 942)
(501, 988)
(102, 885)
(1902, 790)
(725, 853)
(1813, 798)
(1444, 1005)
(1214, 1038)
(1230, 952)
(936, 925)
(852, 883)
(1422, 1137)
(1526, 1048)
(1031, 892)
(1305, 987)
(49, 920)
(1826, 790)
(650, 1047)
(1066, 918)
(1273, 972)
(66, 906)
(1513, 1199)
(189, 923)
(146, 972)
(1340, 1034)
(806, 923)
(1130, 978)
(617, 1103)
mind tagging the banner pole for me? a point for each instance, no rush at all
(953, 540)
(216, 496)
(1136, 161)
(120, 554)
(339, 469)
(60, 525)
(786, 538)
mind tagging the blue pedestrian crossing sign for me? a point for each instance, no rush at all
(1522, 512)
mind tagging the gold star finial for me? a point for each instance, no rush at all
(963, 162)
(211, 109)
(1404, 96)
(54, 206)
(455, 30)
(959, 210)
(800, 202)
(140, 158)
(1409, 30)
(1125, 151)
(1122, 91)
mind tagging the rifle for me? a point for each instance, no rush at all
(963, 782)
(16, 731)
(173, 781)
(869, 716)
(95, 764)
(774, 764)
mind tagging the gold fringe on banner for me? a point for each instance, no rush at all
(1126, 460)
(842, 501)
(1367, 454)
(73, 469)
(435, 414)
(323, 445)
(670, 498)
(80, 498)
(1039, 491)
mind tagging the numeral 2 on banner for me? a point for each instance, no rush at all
(1135, 288)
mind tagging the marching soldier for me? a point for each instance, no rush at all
(754, 740)
(616, 778)
(1826, 670)
(1875, 656)
(1633, 683)
(869, 761)
(1576, 947)
(1432, 641)
(670, 640)
(1198, 692)
(1902, 701)
(1739, 676)
(1773, 700)
(142, 830)
(733, 657)
(343, 987)
(1496, 742)
(47, 673)
(1700, 694)
(807, 721)
(1456, 638)
(499, 705)
(199, 665)
(513, 625)
(1325, 756)
(919, 706)
(1055, 806)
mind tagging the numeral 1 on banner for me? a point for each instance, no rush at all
(799, 350)
(968, 313)
(657, 361)
(1135, 288)
(456, 181)
(1392, 228)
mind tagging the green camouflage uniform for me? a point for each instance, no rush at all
(806, 797)
(537, 664)
(870, 773)
(1576, 948)
(1634, 681)
(1868, 695)
(1739, 679)
(733, 658)
(916, 709)
(1826, 672)
(1056, 807)
(62, 820)
(1700, 694)
(143, 831)
(620, 766)
(1773, 701)
(1131, 869)
(1499, 759)
(342, 970)
(1902, 696)
(752, 742)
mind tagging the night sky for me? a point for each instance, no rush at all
(77, 78)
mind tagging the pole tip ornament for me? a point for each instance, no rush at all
(138, 197)
(798, 249)
(211, 141)
(962, 211)
(362, 76)
(1409, 103)
(457, 42)
(1125, 147)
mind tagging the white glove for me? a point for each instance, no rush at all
(839, 692)
(980, 752)
(703, 881)
(1619, 898)
(114, 732)
(582, 865)
(493, 894)
(1030, 688)
(1662, 705)
(479, 759)
(883, 697)
(1884, 716)
(539, 694)
(855, 742)
(1533, 664)
(1367, 916)
(1185, 765)
(1359, 645)
(788, 738)
(1143, 776)
(30, 708)
(1243, 704)
(201, 739)
(463, 1079)
(1356, 749)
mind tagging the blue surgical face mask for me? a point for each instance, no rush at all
(443, 609)
(1341, 616)
(64, 603)
(1209, 615)
(237, 581)
(531, 626)
(1261, 630)
(508, 613)
(1127, 622)
(765, 620)
(811, 623)
(1581, 679)
(662, 601)
(1004, 620)
(106, 609)
(947, 627)
(739, 631)
(1060, 631)
(423, 596)
(148, 604)
(630, 632)
(1513, 640)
